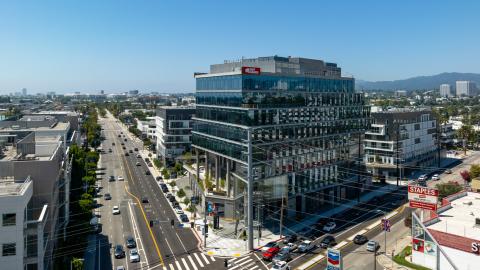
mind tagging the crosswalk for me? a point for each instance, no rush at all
(243, 263)
(193, 261)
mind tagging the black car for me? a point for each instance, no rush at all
(184, 218)
(328, 241)
(112, 178)
(113, 143)
(164, 188)
(119, 135)
(131, 242)
(130, 151)
(158, 178)
(122, 143)
(169, 195)
(175, 204)
(147, 172)
(290, 239)
(125, 139)
(124, 148)
(136, 149)
(147, 159)
(144, 200)
(119, 252)
(126, 154)
(107, 196)
(172, 199)
(360, 239)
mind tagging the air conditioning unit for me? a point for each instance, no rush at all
(477, 221)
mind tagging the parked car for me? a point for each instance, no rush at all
(136, 149)
(305, 246)
(158, 178)
(126, 154)
(120, 267)
(423, 177)
(144, 200)
(119, 252)
(268, 245)
(178, 210)
(290, 247)
(112, 178)
(283, 255)
(138, 164)
(330, 226)
(139, 156)
(290, 239)
(184, 218)
(110, 150)
(270, 253)
(130, 242)
(147, 159)
(130, 151)
(328, 241)
(372, 246)
(134, 256)
(149, 164)
(435, 177)
(147, 172)
(107, 196)
(360, 239)
(115, 210)
(448, 171)
(120, 178)
(280, 266)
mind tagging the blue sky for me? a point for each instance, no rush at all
(156, 45)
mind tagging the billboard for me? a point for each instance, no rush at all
(251, 70)
(334, 259)
(423, 197)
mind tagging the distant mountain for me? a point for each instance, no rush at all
(417, 83)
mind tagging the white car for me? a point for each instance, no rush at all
(435, 177)
(178, 211)
(120, 178)
(280, 266)
(305, 246)
(290, 247)
(134, 257)
(115, 210)
(329, 226)
(372, 246)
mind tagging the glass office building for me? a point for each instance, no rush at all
(305, 121)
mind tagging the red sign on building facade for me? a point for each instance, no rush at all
(251, 70)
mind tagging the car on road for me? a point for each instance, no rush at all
(448, 171)
(110, 150)
(107, 196)
(290, 247)
(184, 218)
(330, 226)
(130, 151)
(328, 241)
(360, 239)
(112, 178)
(139, 156)
(125, 139)
(268, 245)
(138, 164)
(164, 187)
(120, 178)
(435, 177)
(122, 143)
(178, 211)
(130, 242)
(280, 266)
(282, 255)
(124, 148)
(305, 246)
(136, 149)
(119, 252)
(134, 256)
(147, 172)
(119, 136)
(270, 253)
(116, 210)
(113, 143)
(290, 239)
(144, 200)
(372, 246)
(120, 267)
(126, 154)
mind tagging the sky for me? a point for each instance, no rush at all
(155, 45)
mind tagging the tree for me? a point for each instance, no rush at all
(178, 167)
(466, 133)
(447, 189)
(77, 264)
(173, 184)
(475, 170)
(186, 201)
(181, 192)
(466, 177)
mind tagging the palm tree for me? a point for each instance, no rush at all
(466, 133)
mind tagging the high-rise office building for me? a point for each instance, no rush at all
(24, 91)
(445, 90)
(466, 88)
(288, 126)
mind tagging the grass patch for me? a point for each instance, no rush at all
(400, 259)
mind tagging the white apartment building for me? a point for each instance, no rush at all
(406, 136)
(446, 90)
(148, 127)
(466, 88)
(173, 131)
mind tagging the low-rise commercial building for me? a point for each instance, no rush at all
(147, 128)
(399, 141)
(447, 135)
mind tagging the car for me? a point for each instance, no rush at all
(280, 266)
(448, 171)
(149, 164)
(120, 267)
(290, 239)
(178, 210)
(372, 246)
(112, 178)
(158, 178)
(107, 196)
(124, 148)
(184, 218)
(120, 178)
(125, 139)
(130, 242)
(126, 154)
(435, 177)
(113, 143)
(122, 143)
(172, 198)
(165, 189)
(147, 172)
(119, 252)
(119, 136)
(175, 204)
(144, 200)
(330, 226)
(282, 255)
(134, 256)
(130, 151)
(110, 150)
(136, 149)
(422, 177)
(360, 239)
(268, 245)
(290, 247)
(305, 246)
(270, 253)
(121, 132)
(138, 164)
(115, 210)
(328, 241)
(147, 159)
(139, 156)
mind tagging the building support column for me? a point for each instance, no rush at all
(217, 172)
(207, 172)
(227, 178)
(250, 192)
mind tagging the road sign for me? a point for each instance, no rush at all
(386, 224)
(334, 259)
(422, 197)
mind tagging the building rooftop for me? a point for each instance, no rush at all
(10, 187)
(59, 126)
(460, 219)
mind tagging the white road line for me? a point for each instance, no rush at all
(184, 248)
(171, 267)
(205, 258)
(242, 259)
(260, 260)
(212, 258)
(198, 259)
(240, 264)
(191, 261)
(135, 231)
(168, 244)
(178, 265)
(185, 263)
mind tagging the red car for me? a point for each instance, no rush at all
(270, 253)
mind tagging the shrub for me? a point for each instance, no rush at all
(181, 192)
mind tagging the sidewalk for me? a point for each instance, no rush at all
(385, 260)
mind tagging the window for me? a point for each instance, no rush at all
(9, 219)
(417, 140)
(9, 249)
(417, 126)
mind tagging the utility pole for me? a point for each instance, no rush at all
(281, 218)
(358, 174)
(398, 150)
(205, 224)
(250, 191)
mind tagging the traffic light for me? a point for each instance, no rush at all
(172, 222)
(206, 228)
(151, 223)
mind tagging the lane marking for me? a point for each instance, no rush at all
(198, 259)
(185, 263)
(240, 264)
(178, 265)
(205, 258)
(358, 233)
(191, 261)
(171, 267)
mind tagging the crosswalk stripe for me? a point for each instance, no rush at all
(191, 261)
(254, 267)
(165, 268)
(171, 267)
(240, 264)
(213, 258)
(198, 259)
(178, 265)
(242, 259)
(205, 258)
(185, 263)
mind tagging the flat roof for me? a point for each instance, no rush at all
(8, 186)
(460, 219)
(59, 126)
